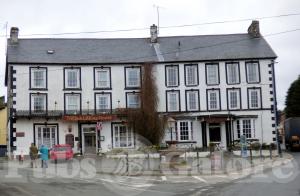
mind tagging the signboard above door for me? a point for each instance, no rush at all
(89, 117)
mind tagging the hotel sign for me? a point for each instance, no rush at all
(89, 117)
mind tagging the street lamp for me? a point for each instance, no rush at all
(171, 124)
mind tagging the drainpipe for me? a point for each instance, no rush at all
(275, 109)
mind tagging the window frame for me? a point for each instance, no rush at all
(31, 103)
(98, 111)
(113, 134)
(65, 103)
(43, 125)
(127, 99)
(258, 72)
(208, 101)
(240, 129)
(190, 130)
(167, 103)
(66, 78)
(126, 77)
(167, 78)
(187, 100)
(196, 75)
(259, 97)
(31, 78)
(206, 74)
(239, 101)
(238, 74)
(96, 87)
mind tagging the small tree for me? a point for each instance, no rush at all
(292, 101)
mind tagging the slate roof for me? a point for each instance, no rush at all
(137, 50)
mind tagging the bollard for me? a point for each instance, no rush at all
(270, 152)
(159, 165)
(127, 163)
(260, 152)
(198, 163)
(251, 158)
(148, 165)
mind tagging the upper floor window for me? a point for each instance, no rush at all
(172, 75)
(191, 75)
(102, 78)
(233, 99)
(213, 99)
(133, 77)
(38, 103)
(38, 77)
(103, 102)
(254, 98)
(173, 101)
(72, 103)
(252, 72)
(72, 78)
(133, 100)
(192, 100)
(233, 73)
(245, 127)
(212, 74)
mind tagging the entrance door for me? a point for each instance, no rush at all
(215, 133)
(89, 143)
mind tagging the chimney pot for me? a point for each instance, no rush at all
(153, 33)
(253, 29)
(14, 33)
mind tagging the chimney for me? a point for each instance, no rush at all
(14, 33)
(253, 29)
(153, 33)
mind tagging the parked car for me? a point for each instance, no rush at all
(61, 152)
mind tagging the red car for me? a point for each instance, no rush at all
(61, 152)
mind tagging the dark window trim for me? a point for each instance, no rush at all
(132, 92)
(259, 79)
(239, 75)
(227, 98)
(64, 77)
(102, 93)
(207, 104)
(46, 124)
(166, 79)
(185, 77)
(179, 106)
(80, 102)
(30, 85)
(125, 76)
(103, 68)
(206, 64)
(260, 96)
(38, 93)
(186, 100)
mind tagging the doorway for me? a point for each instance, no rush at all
(89, 144)
(214, 133)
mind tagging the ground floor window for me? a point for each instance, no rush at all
(122, 136)
(45, 134)
(184, 130)
(245, 127)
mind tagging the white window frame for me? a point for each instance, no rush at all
(253, 73)
(117, 136)
(67, 79)
(100, 82)
(189, 131)
(176, 96)
(76, 110)
(191, 74)
(188, 100)
(107, 106)
(131, 97)
(212, 74)
(41, 131)
(172, 75)
(251, 100)
(33, 100)
(245, 126)
(209, 101)
(133, 82)
(33, 82)
(237, 100)
(233, 73)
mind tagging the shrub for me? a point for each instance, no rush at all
(255, 146)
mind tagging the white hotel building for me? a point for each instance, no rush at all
(216, 88)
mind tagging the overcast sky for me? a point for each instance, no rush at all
(58, 16)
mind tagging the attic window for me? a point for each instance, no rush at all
(50, 51)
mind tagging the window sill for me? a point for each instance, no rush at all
(72, 89)
(38, 89)
(108, 88)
